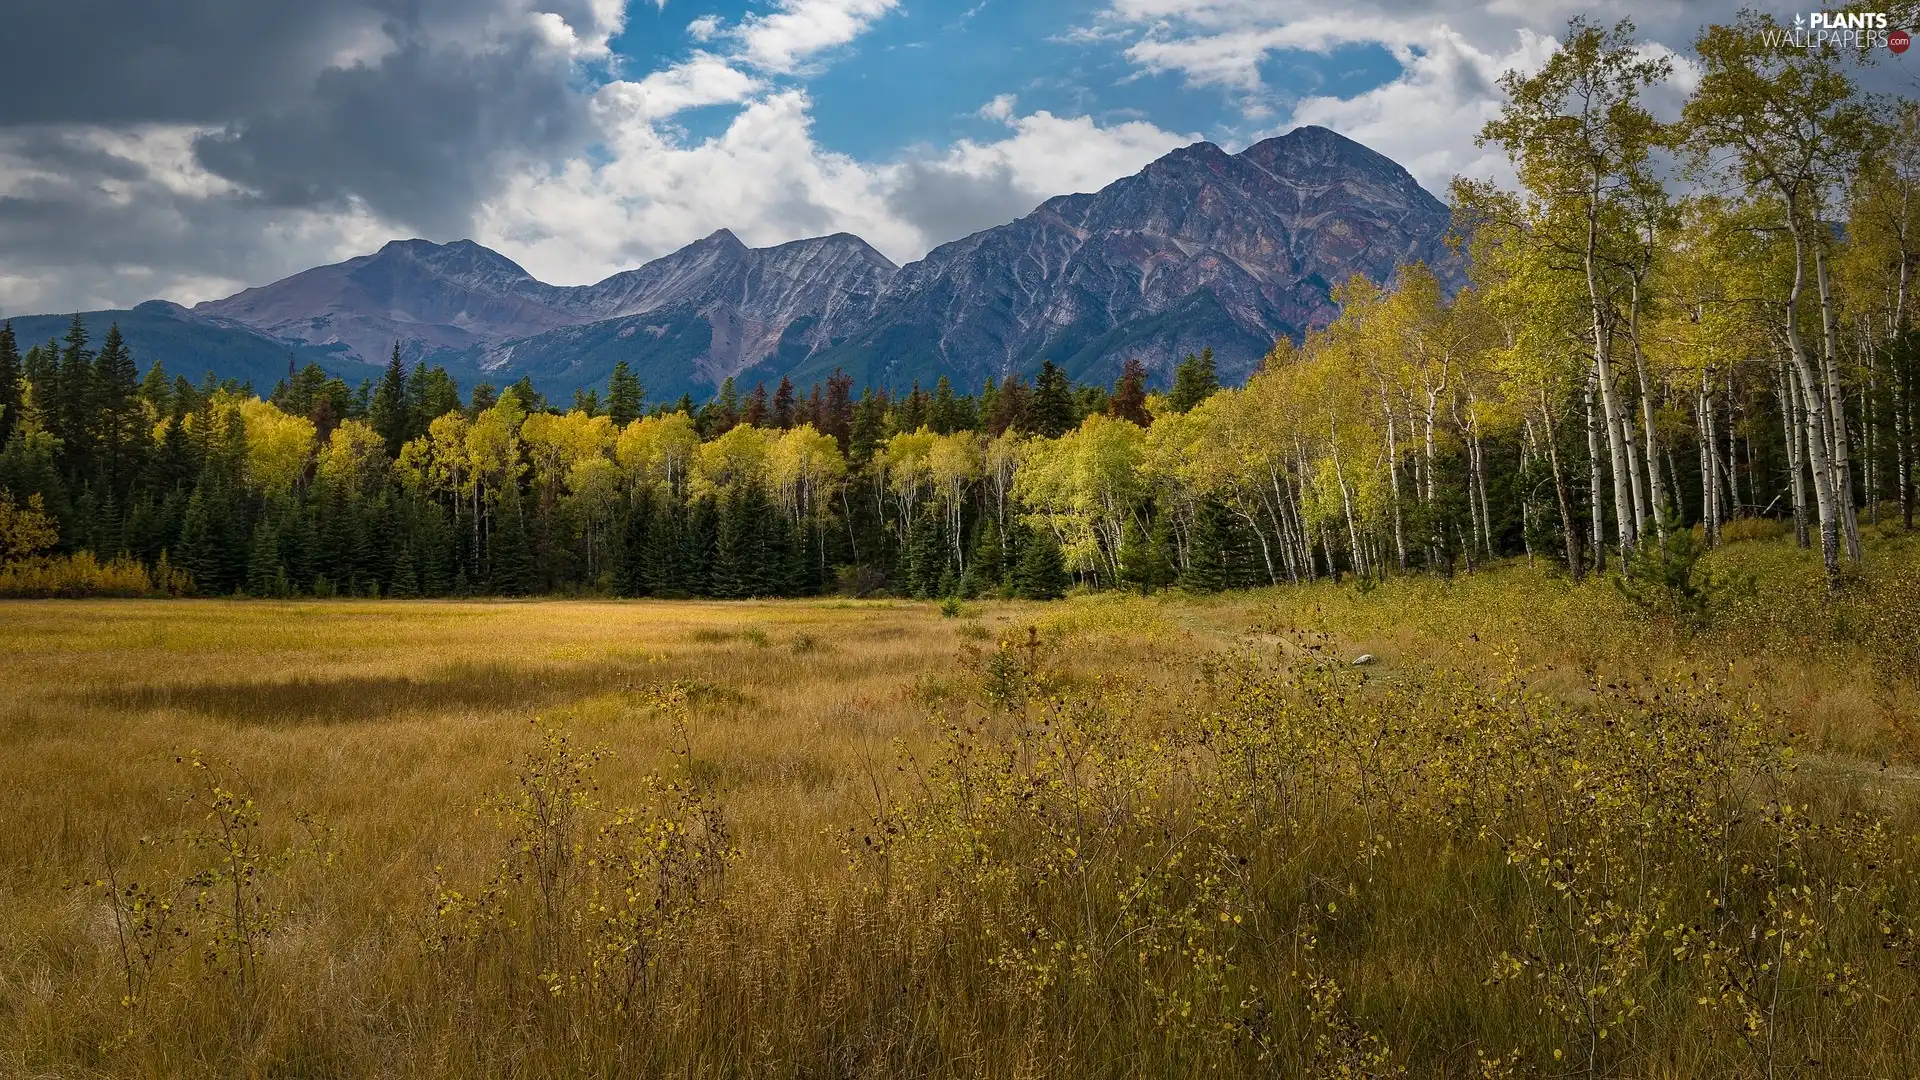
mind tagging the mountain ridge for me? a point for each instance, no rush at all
(1199, 248)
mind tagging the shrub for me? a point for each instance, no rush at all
(80, 576)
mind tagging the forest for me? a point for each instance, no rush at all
(1625, 366)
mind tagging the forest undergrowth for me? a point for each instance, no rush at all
(1550, 830)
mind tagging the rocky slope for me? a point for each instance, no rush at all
(1201, 248)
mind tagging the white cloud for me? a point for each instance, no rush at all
(702, 79)
(1428, 117)
(1051, 155)
(767, 180)
(799, 29)
(1000, 108)
(1451, 55)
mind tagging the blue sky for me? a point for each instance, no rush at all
(233, 142)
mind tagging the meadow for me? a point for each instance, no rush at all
(1548, 830)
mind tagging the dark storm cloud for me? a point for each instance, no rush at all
(126, 61)
(947, 203)
(418, 136)
(413, 108)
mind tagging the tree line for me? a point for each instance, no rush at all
(1625, 369)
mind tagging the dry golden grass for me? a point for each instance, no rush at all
(394, 724)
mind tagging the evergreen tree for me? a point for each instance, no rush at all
(1009, 408)
(1129, 400)
(156, 390)
(69, 407)
(944, 414)
(910, 414)
(388, 410)
(405, 584)
(783, 404)
(484, 395)
(510, 553)
(1042, 572)
(869, 427)
(757, 409)
(624, 395)
(1051, 412)
(12, 381)
(835, 416)
(266, 577)
(987, 565)
(120, 420)
(431, 394)
(1206, 569)
(1194, 381)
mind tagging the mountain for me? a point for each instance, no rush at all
(688, 320)
(192, 346)
(428, 297)
(1201, 248)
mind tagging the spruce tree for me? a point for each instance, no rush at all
(1042, 573)
(388, 412)
(120, 420)
(511, 553)
(624, 395)
(404, 583)
(69, 407)
(156, 390)
(1194, 381)
(12, 381)
(1129, 399)
(944, 416)
(265, 575)
(783, 404)
(1050, 414)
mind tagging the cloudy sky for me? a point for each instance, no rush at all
(198, 146)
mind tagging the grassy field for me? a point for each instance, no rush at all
(1545, 833)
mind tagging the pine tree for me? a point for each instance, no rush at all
(1042, 573)
(510, 553)
(944, 416)
(156, 390)
(119, 417)
(624, 395)
(12, 376)
(783, 404)
(836, 413)
(197, 543)
(1129, 400)
(987, 566)
(388, 410)
(69, 408)
(869, 427)
(405, 584)
(1051, 413)
(265, 575)
(756, 410)
(1206, 569)
(1194, 381)
(1009, 408)
(910, 414)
